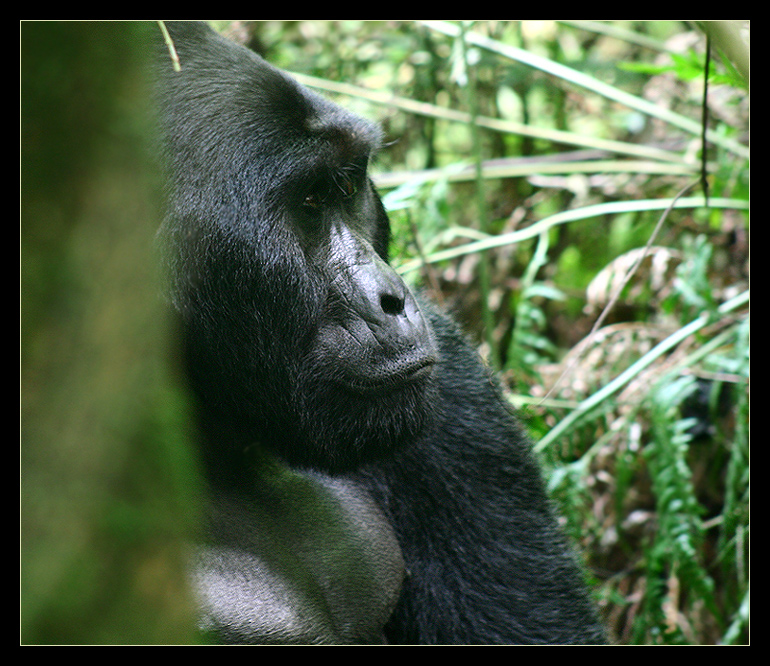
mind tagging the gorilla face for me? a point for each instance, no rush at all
(298, 333)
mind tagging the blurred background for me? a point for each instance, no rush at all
(551, 183)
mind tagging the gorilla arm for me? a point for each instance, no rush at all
(303, 559)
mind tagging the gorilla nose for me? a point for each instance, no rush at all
(377, 296)
(384, 298)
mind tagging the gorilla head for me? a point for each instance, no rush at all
(298, 334)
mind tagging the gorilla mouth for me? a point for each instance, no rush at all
(390, 377)
(364, 360)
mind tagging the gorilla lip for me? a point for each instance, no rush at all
(401, 377)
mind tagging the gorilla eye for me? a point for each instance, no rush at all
(348, 187)
(322, 193)
(317, 196)
(314, 200)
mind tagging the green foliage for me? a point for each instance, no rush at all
(529, 346)
(673, 557)
(532, 170)
(689, 66)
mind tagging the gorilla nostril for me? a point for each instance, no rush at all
(391, 305)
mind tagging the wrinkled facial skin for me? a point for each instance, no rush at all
(298, 334)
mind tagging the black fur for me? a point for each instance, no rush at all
(322, 384)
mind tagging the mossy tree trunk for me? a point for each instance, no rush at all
(107, 478)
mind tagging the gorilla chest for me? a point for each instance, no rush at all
(308, 559)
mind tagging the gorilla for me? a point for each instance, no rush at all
(365, 480)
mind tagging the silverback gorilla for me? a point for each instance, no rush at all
(367, 482)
